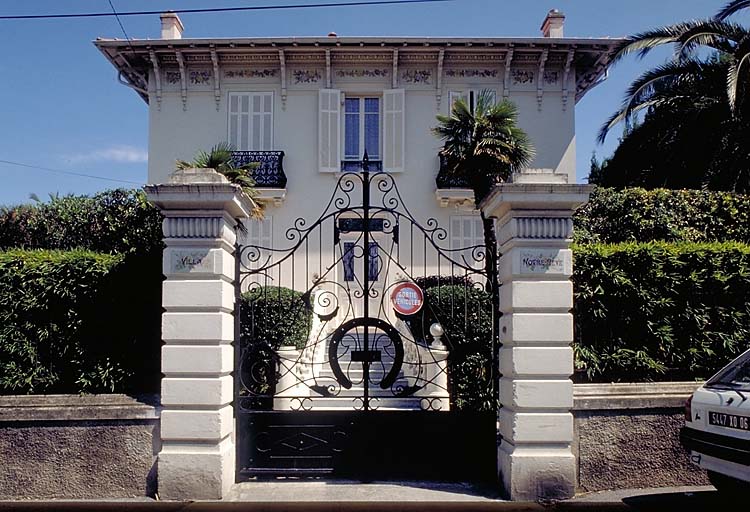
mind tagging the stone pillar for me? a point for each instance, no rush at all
(197, 457)
(534, 229)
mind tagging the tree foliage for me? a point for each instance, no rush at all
(694, 110)
(484, 146)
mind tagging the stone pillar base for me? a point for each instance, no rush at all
(531, 474)
(201, 474)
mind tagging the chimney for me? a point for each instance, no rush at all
(553, 24)
(171, 26)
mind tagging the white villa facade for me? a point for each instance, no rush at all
(323, 101)
(308, 109)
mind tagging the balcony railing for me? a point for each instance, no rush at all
(446, 179)
(270, 172)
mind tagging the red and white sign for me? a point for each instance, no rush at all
(407, 298)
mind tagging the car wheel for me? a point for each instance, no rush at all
(726, 485)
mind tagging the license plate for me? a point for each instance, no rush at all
(721, 419)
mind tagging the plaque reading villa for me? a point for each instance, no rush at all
(542, 261)
(191, 261)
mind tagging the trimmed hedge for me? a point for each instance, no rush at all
(114, 221)
(275, 315)
(660, 311)
(75, 321)
(639, 215)
(465, 311)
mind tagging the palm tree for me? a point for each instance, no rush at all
(731, 8)
(704, 87)
(483, 147)
(220, 159)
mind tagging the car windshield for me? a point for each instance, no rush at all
(735, 376)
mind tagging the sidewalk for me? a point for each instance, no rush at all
(392, 496)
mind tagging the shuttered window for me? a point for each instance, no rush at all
(329, 130)
(466, 232)
(470, 96)
(251, 121)
(260, 236)
(393, 130)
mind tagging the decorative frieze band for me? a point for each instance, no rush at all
(543, 228)
(193, 227)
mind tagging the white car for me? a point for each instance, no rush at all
(717, 426)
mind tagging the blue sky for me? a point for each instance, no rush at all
(61, 106)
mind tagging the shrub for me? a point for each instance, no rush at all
(275, 315)
(74, 322)
(114, 221)
(465, 312)
(660, 311)
(635, 214)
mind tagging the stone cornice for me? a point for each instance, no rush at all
(589, 57)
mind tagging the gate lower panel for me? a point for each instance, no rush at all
(431, 445)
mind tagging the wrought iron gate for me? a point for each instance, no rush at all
(331, 379)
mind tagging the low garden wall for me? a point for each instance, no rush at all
(78, 446)
(627, 436)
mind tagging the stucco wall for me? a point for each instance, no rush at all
(627, 436)
(77, 447)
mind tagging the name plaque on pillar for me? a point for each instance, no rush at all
(542, 261)
(191, 261)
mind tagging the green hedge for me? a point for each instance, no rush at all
(635, 214)
(465, 311)
(275, 315)
(114, 221)
(660, 311)
(77, 321)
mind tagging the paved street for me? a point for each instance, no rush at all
(401, 496)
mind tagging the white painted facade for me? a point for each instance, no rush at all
(295, 93)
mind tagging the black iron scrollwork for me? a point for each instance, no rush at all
(356, 351)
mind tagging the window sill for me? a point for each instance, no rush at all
(459, 198)
(275, 196)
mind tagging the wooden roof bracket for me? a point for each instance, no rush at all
(183, 78)
(217, 89)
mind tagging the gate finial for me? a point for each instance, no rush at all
(365, 162)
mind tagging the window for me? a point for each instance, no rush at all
(260, 236)
(251, 121)
(466, 232)
(361, 128)
(349, 261)
(470, 96)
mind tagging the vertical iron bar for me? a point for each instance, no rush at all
(366, 276)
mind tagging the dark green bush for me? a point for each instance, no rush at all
(660, 311)
(465, 312)
(640, 215)
(275, 315)
(74, 322)
(114, 221)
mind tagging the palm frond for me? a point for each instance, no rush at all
(715, 34)
(643, 42)
(731, 8)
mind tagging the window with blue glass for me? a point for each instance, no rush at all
(361, 128)
(349, 261)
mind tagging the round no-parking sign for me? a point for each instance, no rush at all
(407, 298)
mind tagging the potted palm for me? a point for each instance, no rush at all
(219, 159)
(483, 147)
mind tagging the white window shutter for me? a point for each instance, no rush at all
(393, 130)
(456, 95)
(329, 130)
